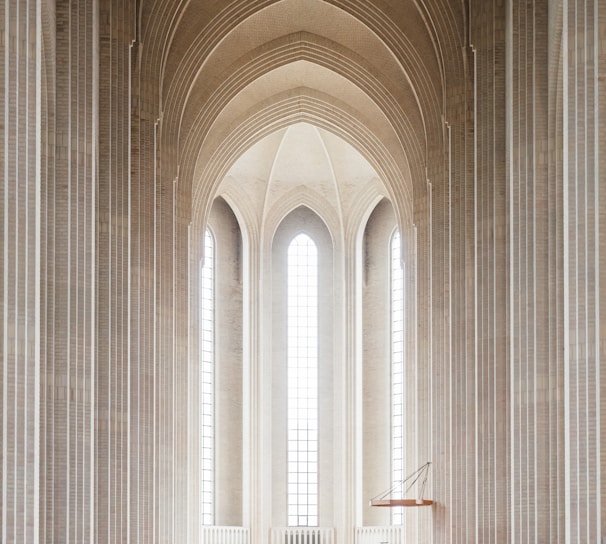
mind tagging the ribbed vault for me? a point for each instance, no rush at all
(372, 74)
(288, 109)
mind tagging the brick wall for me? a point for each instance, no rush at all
(20, 259)
(510, 224)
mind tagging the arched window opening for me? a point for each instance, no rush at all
(302, 372)
(397, 368)
(207, 380)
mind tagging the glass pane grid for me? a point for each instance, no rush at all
(302, 371)
(397, 369)
(206, 385)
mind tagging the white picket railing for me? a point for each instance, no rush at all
(224, 535)
(302, 535)
(380, 535)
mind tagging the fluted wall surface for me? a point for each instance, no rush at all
(582, 187)
(554, 203)
(143, 280)
(535, 347)
(537, 293)
(20, 118)
(491, 325)
(453, 394)
(514, 242)
(69, 231)
(113, 247)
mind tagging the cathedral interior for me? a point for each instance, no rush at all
(263, 259)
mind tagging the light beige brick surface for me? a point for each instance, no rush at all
(484, 120)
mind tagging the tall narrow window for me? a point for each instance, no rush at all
(397, 368)
(207, 380)
(302, 371)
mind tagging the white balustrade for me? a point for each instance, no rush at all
(224, 535)
(380, 535)
(302, 535)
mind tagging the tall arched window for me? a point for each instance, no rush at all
(302, 371)
(397, 367)
(207, 380)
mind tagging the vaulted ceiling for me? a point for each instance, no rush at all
(371, 75)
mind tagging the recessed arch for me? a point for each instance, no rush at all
(402, 114)
(302, 220)
(315, 110)
(419, 58)
(301, 197)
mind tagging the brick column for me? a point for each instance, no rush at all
(21, 125)
(113, 274)
(67, 407)
(582, 300)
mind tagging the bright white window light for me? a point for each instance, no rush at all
(207, 380)
(302, 372)
(397, 368)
